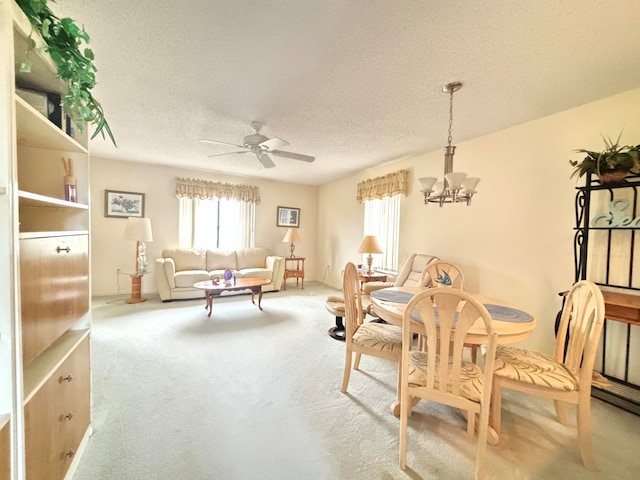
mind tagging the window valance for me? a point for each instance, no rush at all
(386, 186)
(205, 189)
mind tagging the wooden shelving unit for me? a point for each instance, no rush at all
(605, 252)
(45, 316)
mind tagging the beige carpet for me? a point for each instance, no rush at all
(255, 395)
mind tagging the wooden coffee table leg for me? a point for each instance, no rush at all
(260, 298)
(209, 303)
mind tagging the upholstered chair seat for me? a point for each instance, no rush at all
(535, 368)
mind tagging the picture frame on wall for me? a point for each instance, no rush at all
(119, 204)
(288, 217)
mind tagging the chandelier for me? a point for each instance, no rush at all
(456, 187)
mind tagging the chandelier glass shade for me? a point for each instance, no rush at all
(456, 187)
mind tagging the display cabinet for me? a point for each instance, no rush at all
(606, 243)
(45, 318)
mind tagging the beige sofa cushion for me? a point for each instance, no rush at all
(252, 258)
(188, 277)
(221, 260)
(187, 259)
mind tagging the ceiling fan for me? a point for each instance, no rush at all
(261, 146)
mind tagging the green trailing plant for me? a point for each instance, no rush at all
(614, 157)
(66, 42)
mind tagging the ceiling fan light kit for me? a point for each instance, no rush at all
(456, 187)
(260, 146)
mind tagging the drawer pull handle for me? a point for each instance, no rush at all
(69, 416)
(65, 249)
(69, 454)
(68, 378)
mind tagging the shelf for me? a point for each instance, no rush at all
(29, 199)
(36, 131)
(37, 372)
(622, 307)
(44, 72)
(62, 233)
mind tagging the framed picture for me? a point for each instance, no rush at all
(123, 204)
(288, 217)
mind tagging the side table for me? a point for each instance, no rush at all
(136, 288)
(365, 277)
(293, 268)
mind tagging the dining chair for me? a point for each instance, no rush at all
(443, 316)
(564, 376)
(443, 273)
(378, 339)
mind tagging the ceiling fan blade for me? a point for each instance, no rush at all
(295, 156)
(273, 143)
(265, 160)
(217, 142)
(227, 153)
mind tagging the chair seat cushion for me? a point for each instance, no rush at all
(534, 368)
(386, 338)
(471, 377)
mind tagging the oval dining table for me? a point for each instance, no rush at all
(510, 324)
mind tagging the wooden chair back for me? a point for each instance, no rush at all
(352, 301)
(579, 329)
(442, 273)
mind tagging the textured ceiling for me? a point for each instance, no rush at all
(355, 83)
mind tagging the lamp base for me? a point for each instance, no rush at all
(292, 247)
(369, 263)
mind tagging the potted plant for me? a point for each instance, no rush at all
(612, 164)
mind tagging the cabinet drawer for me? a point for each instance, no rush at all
(54, 278)
(5, 452)
(57, 417)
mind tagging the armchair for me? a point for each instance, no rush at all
(410, 275)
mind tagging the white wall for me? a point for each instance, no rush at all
(110, 252)
(515, 242)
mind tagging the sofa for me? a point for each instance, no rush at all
(178, 269)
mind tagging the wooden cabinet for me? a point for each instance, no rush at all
(5, 453)
(293, 268)
(54, 288)
(45, 315)
(56, 417)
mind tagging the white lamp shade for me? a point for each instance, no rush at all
(370, 245)
(427, 184)
(469, 184)
(454, 179)
(292, 236)
(438, 188)
(138, 229)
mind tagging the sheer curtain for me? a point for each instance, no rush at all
(382, 219)
(381, 198)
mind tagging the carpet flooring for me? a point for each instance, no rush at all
(247, 394)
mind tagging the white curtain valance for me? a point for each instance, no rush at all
(206, 190)
(386, 186)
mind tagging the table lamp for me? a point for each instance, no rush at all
(292, 236)
(138, 229)
(370, 245)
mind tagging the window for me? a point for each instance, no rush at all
(382, 219)
(216, 223)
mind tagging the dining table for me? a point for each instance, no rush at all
(509, 323)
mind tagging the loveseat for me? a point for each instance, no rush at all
(179, 268)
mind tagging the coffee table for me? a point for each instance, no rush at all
(215, 289)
